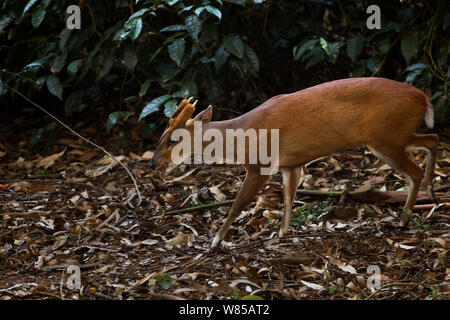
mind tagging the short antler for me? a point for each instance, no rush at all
(183, 112)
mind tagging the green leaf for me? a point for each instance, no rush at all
(199, 10)
(214, 11)
(130, 58)
(384, 46)
(138, 14)
(252, 59)
(133, 26)
(372, 63)
(176, 50)
(303, 47)
(73, 67)
(28, 6)
(144, 87)
(188, 90)
(188, 8)
(54, 86)
(359, 71)
(38, 16)
(5, 21)
(73, 102)
(106, 63)
(169, 107)
(238, 67)
(116, 116)
(330, 48)
(413, 75)
(153, 105)
(37, 63)
(354, 46)
(436, 95)
(58, 63)
(243, 2)
(409, 45)
(417, 66)
(220, 57)
(317, 55)
(63, 38)
(441, 108)
(136, 28)
(175, 27)
(193, 25)
(164, 280)
(234, 45)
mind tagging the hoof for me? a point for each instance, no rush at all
(216, 241)
(281, 233)
(213, 250)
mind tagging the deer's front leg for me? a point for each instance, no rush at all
(252, 184)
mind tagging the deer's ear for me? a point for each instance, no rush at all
(205, 115)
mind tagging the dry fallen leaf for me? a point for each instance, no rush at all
(103, 165)
(313, 286)
(218, 195)
(342, 265)
(50, 160)
(180, 239)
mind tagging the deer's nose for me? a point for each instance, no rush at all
(152, 164)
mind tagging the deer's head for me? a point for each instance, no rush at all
(181, 118)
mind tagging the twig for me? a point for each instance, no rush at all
(366, 196)
(64, 266)
(391, 285)
(57, 181)
(200, 207)
(27, 213)
(429, 206)
(103, 296)
(81, 137)
(164, 296)
(94, 25)
(301, 235)
(111, 216)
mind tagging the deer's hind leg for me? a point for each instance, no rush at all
(397, 158)
(429, 143)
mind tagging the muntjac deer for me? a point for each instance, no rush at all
(380, 113)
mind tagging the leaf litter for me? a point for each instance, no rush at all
(70, 208)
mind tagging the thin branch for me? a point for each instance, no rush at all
(392, 284)
(200, 207)
(81, 137)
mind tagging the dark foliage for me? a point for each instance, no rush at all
(145, 55)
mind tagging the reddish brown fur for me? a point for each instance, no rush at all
(380, 113)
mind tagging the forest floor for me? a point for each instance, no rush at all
(72, 206)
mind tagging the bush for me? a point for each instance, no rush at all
(145, 55)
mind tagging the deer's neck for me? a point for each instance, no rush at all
(222, 126)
